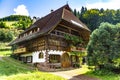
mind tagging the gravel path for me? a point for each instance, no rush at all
(73, 75)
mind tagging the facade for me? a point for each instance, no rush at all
(46, 41)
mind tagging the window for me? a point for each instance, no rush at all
(29, 59)
(54, 58)
(30, 32)
(23, 59)
(40, 55)
(74, 33)
(38, 29)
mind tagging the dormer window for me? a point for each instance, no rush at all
(38, 29)
(30, 32)
(24, 35)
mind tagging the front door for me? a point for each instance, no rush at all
(65, 60)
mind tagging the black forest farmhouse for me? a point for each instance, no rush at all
(51, 39)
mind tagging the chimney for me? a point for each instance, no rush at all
(35, 19)
(52, 10)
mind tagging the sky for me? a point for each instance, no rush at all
(40, 8)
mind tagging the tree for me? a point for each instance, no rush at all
(2, 25)
(103, 47)
(6, 35)
(91, 18)
(75, 12)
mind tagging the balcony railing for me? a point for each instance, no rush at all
(20, 50)
(60, 33)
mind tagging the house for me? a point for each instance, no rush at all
(48, 41)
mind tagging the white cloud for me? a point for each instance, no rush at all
(111, 4)
(21, 10)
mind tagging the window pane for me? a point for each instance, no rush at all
(54, 58)
(40, 55)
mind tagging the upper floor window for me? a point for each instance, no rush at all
(41, 55)
(74, 33)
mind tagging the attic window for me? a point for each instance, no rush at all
(76, 23)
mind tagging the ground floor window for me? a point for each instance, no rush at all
(29, 59)
(26, 59)
(23, 59)
(54, 58)
(41, 55)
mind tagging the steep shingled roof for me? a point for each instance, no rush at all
(51, 21)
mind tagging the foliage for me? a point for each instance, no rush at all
(6, 35)
(74, 39)
(23, 24)
(3, 25)
(103, 47)
(93, 17)
(78, 53)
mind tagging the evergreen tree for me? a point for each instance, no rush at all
(103, 47)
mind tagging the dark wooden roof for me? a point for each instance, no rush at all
(50, 21)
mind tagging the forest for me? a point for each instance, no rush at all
(94, 17)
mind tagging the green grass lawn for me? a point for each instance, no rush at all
(5, 49)
(5, 53)
(100, 74)
(11, 69)
(103, 75)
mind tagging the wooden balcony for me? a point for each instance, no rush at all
(60, 33)
(20, 50)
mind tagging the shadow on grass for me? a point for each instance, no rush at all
(83, 77)
(9, 66)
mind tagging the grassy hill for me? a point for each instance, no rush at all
(10, 23)
(11, 69)
(16, 21)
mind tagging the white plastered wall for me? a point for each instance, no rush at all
(36, 56)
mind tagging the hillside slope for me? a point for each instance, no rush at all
(16, 21)
(11, 69)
